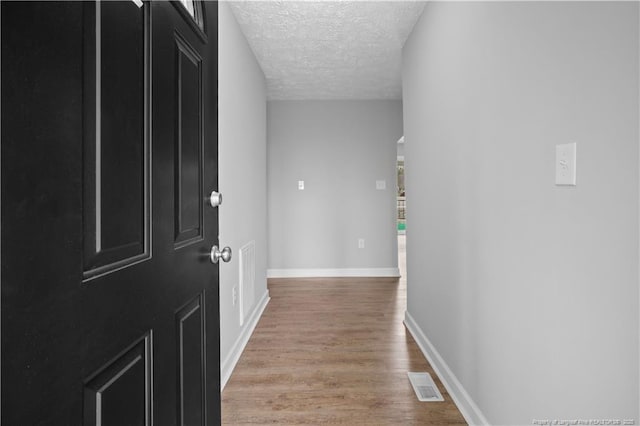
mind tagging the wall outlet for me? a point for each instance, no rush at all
(566, 164)
(360, 243)
(300, 185)
(381, 185)
(234, 295)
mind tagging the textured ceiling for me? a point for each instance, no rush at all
(329, 49)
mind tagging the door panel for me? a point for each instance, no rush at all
(190, 325)
(109, 147)
(116, 147)
(122, 393)
(189, 144)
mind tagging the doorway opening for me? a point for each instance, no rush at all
(401, 218)
(401, 199)
(401, 207)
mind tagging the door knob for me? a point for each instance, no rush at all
(216, 254)
(215, 199)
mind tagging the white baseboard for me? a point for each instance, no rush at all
(461, 398)
(335, 273)
(229, 363)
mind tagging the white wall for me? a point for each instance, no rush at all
(401, 150)
(339, 149)
(242, 178)
(528, 291)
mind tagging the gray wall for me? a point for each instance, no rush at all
(527, 290)
(243, 173)
(340, 149)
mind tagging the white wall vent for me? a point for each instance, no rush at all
(424, 387)
(247, 279)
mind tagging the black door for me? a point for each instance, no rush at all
(110, 309)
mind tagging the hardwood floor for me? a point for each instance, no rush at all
(332, 351)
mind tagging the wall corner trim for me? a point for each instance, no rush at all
(470, 411)
(230, 361)
(333, 273)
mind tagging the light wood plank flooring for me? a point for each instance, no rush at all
(332, 351)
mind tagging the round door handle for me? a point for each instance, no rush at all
(215, 199)
(217, 254)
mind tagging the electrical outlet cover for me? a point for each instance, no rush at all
(566, 164)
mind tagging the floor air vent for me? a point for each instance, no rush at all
(424, 387)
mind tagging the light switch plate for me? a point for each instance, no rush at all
(566, 164)
(300, 185)
(381, 184)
